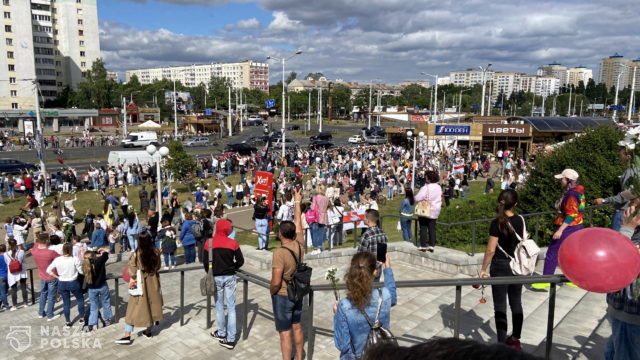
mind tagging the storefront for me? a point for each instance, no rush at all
(56, 120)
(515, 137)
(442, 136)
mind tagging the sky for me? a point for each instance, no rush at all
(368, 40)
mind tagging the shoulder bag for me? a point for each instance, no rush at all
(136, 290)
(525, 255)
(423, 208)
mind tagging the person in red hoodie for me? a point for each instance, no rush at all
(43, 257)
(28, 184)
(227, 259)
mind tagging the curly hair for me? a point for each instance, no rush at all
(359, 279)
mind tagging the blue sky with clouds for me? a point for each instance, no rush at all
(360, 40)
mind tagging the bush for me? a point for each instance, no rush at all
(179, 162)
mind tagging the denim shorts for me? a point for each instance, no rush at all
(286, 312)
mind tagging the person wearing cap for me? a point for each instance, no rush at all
(570, 210)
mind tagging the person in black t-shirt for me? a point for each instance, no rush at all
(502, 235)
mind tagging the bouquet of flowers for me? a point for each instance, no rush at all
(332, 277)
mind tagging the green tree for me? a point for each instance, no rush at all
(292, 76)
(341, 99)
(96, 91)
(314, 76)
(179, 162)
(415, 94)
(63, 100)
(219, 92)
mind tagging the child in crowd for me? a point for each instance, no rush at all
(167, 237)
(79, 248)
(4, 272)
(121, 231)
(8, 229)
(113, 238)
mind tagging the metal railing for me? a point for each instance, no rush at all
(534, 231)
(263, 283)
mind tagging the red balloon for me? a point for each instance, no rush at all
(599, 260)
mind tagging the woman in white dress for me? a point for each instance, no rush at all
(18, 277)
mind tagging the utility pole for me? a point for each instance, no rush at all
(229, 115)
(175, 111)
(241, 112)
(631, 97)
(330, 103)
(124, 117)
(320, 110)
(38, 137)
(544, 99)
(370, 88)
(569, 107)
(309, 113)
(533, 103)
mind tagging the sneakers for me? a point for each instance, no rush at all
(81, 321)
(54, 317)
(227, 344)
(68, 325)
(146, 333)
(514, 343)
(430, 249)
(541, 286)
(13, 308)
(217, 335)
(40, 316)
(572, 285)
(124, 341)
(165, 268)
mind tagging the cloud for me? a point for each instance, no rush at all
(395, 39)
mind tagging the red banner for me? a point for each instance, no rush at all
(264, 187)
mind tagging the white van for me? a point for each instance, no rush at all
(130, 157)
(140, 139)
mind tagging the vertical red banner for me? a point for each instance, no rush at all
(264, 187)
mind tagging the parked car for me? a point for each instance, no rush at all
(199, 141)
(256, 140)
(241, 148)
(12, 166)
(320, 144)
(375, 130)
(255, 117)
(293, 127)
(356, 139)
(376, 139)
(288, 143)
(321, 136)
(254, 122)
(140, 139)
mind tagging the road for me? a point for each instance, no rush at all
(81, 158)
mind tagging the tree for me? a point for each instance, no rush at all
(314, 76)
(292, 76)
(219, 92)
(415, 94)
(63, 100)
(96, 91)
(180, 163)
(341, 98)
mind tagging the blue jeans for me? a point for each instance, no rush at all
(169, 259)
(133, 242)
(48, 290)
(67, 288)
(226, 289)
(405, 225)
(616, 220)
(623, 343)
(3, 291)
(189, 253)
(230, 199)
(318, 233)
(97, 297)
(262, 227)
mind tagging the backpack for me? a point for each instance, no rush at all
(197, 229)
(300, 283)
(311, 216)
(15, 266)
(526, 253)
(377, 334)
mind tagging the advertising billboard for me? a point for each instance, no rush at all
(453, 129)
(183, 100)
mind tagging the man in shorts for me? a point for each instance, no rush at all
(287, 314)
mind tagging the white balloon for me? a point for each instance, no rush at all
(22, 188)
(19, 180)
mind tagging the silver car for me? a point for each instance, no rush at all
(373, 140)
(288, 144)
(199, 141)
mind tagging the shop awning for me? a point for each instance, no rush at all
(562, 124)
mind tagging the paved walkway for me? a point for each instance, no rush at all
(420, 314)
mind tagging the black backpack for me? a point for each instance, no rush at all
(377, 334)
(300, 283)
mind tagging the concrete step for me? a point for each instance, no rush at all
(535, 322)
(594, 346)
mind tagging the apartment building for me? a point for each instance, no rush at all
(577, 74)
(245, 74)
(51, 42)
(612, 67)
(469, 77)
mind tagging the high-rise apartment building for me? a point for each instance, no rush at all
(557, 71)
(52, 42)
(246, 74)
(611, 69)
(634, 64)
(577, 74)
(505, 83)
(469, 77)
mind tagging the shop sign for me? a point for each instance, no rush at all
(453, 129)
(512, 130)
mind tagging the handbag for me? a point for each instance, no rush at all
(207, 283)
(136, 290)
(423, 209)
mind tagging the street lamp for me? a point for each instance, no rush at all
(632, 96)
(283, 61)
(484, 83)
(158, 155)
(370, 90)
(435, 97)
(615, 109)
(410, 135)
(460, 104)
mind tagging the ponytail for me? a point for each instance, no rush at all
(87, 266)
(506, 201)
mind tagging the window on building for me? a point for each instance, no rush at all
(9, 54)
(7, 15)
(83, 64)
(58, 63)
(81, 42)
(79, 11)
(82, 53)
(78, 1)
(79, 21)
(14, 93)
(14, 105)
(12, 67)
(81, 32)
(12, 80)
(6, 2)
(7, 28)
(9, 41)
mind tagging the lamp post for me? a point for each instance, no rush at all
(435, 96)
(484, 84)
(410, 135)
(631, 97)
(615, 109)
(370, 90)
(283, 60)
(158, 155)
